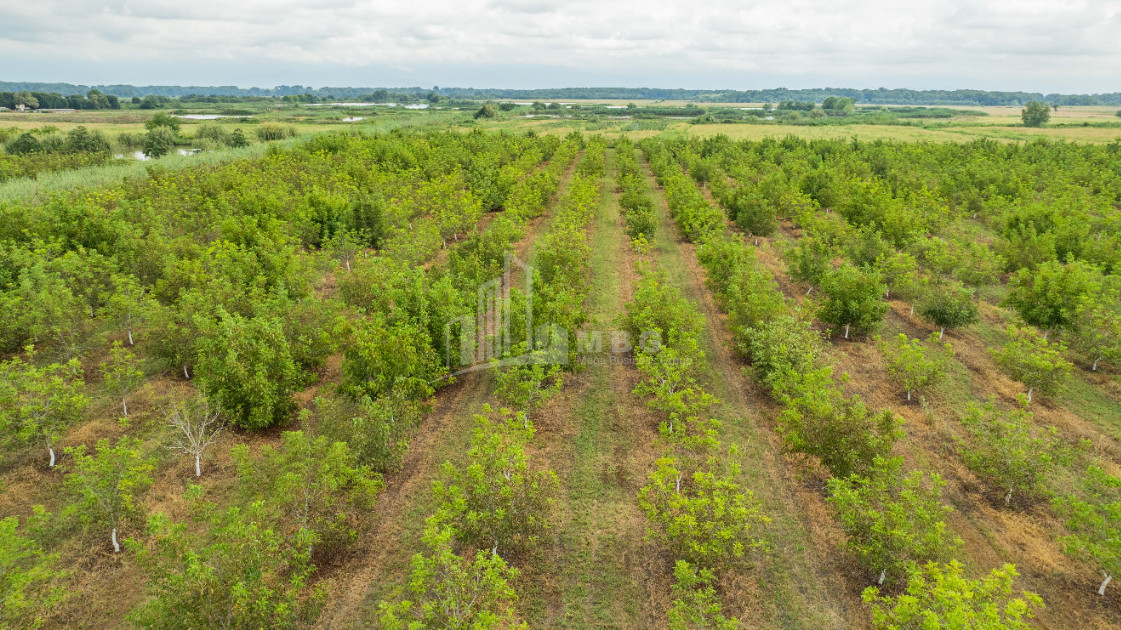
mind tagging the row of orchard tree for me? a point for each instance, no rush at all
(1032, 227)
(242, 279)
(496, 507)
(894, 520)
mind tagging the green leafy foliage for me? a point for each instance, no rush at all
(496, 501)
(30, 583)
(1049, 295)
(121, 373)
(246, 366)
(107, 486)
(447, 591)
(310, 485)
(704, 518)
(1030, 359)
(948, 306)
(696, 605)
(853, 299)
(389, 359)
(237, 572)
(1008, 450)
(895, 522)
(1094, 522)
(940, 596)
(38, 404)
(913, 364)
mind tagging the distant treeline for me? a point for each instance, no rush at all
(879, 96)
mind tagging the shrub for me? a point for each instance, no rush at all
(107, 485)
(1007, 450)
(894, 522)
(1094, 523)
(159, 142)
(272, 131)
(696, 604)
(948, 306)
(1030, 359)
(911, 364)
(939, 596)
(852, 299)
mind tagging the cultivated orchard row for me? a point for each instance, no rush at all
(194, 306)
(941, 227)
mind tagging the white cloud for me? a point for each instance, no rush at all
(1027, 44)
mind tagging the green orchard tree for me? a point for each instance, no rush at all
(389, 357)
(894, 522)
(375, 430)
(1094, 523)
(1049, 295)
(900, 273)
(247, 367)
(496, 501)
(108, 484)
(913, 364)
(706, 519)
(1007, 449)
(527, 386)
(448, 591)
(853, 299)
(129, 305)
(238, 571)
(1035, 114)
(30, 583)
(940, 596)
(121, 374)
(311, 484)
(948, 306)
(809, 261)
(1030, 359)
(696, 604)
(1097, 331)
(45, 401)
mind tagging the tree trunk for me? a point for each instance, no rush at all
(1030, 389)
(757, 241)
(1094, 368)
(198, 465)
(809, 289)
(883, 574)
(912, 309)
(846, 331)
(1008, 497)
(887, 293)
(130, 341)
(908, 395)
(116, 545)
(1105, 583)
(941, 332)
(124, 403)
(348, 265)
(186, 374)
(52, 456)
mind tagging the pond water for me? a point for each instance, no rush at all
(353, 118)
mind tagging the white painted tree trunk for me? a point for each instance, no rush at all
(757, 241)
(186, 374)
(1008, 497)
(941, 332)
(808, 290)
(1105, 583)
(846, 331)
(198, 465)
(130, 341)
(52, 456)
(348, 265)
(883, 574)
(116, 545)
(887, 293)
(124, 404)
(1094, 368)
(912, 309)
(908, 395)
(1030, 390)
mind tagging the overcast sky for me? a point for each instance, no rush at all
(1030, 45)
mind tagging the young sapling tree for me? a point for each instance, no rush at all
(197, 426)
(108, 484)
(121, 374)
